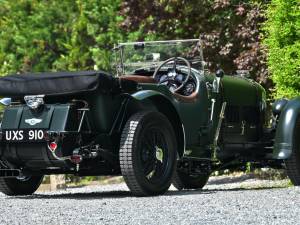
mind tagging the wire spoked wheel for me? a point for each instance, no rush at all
(154, 155)
(148, 153)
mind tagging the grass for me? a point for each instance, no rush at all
(270, 174)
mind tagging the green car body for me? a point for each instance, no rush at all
(222, 123)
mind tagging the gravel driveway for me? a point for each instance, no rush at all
(235, 200)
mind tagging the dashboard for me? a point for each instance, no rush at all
(177, 80)
(172, 80)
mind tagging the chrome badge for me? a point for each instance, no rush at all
(33, 121)
(34, 101)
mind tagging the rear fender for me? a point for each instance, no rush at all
(160, 102)
(286, 128)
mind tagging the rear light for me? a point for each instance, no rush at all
(52, 146)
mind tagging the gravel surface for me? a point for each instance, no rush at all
(225, 200)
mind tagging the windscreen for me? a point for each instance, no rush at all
(130, 57)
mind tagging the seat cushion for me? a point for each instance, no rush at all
(54, 83)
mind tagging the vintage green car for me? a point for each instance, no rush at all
(161, 118)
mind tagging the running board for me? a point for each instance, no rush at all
(10, 173)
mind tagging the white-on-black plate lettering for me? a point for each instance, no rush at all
(23, 135)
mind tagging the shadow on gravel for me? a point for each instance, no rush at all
(125, 194)
(215, 190)
(79, 196)
(189, 192)
(230, 180)
(243, 189)
(109, 194)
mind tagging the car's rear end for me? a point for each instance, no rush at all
(33, 138)
(53, 125)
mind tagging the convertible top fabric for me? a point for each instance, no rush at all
(58, 83)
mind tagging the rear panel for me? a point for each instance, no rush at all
(30, 150)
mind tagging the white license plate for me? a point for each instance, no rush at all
(23, 135)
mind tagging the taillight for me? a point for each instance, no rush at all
(53, 146)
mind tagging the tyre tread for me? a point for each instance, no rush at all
(128, 145)
(126, 154)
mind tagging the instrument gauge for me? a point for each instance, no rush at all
(189, 88)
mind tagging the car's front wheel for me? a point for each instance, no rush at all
(21, 185)
(148, 153)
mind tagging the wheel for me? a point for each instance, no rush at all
(20, 186)
(148, 153)
(185, 181)
(293, 163)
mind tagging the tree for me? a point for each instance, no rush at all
(40, 35)
(230, 29)
(283, 42)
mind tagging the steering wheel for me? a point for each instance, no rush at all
(170, 79)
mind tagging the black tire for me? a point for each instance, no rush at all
(15, 186)
(293, 163)
(186, 181)
(148, 153)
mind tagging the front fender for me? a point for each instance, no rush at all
(144, 94)
(286, 128)
(167, 106)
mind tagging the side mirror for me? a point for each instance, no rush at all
(216, 83)
(5, 101)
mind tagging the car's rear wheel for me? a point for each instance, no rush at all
(20, 186)
(293, 163)
(187, 181)
(148, 153)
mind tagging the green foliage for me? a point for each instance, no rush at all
(230, 29)
(283, 42)
(40, 35)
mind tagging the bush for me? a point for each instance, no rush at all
(57, 35)
(283, 42)
(78, 35)
(230, 29)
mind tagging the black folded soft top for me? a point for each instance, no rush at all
(54, 83)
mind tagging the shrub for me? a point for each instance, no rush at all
(283, 43)
(57, 35)
(230, 29)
